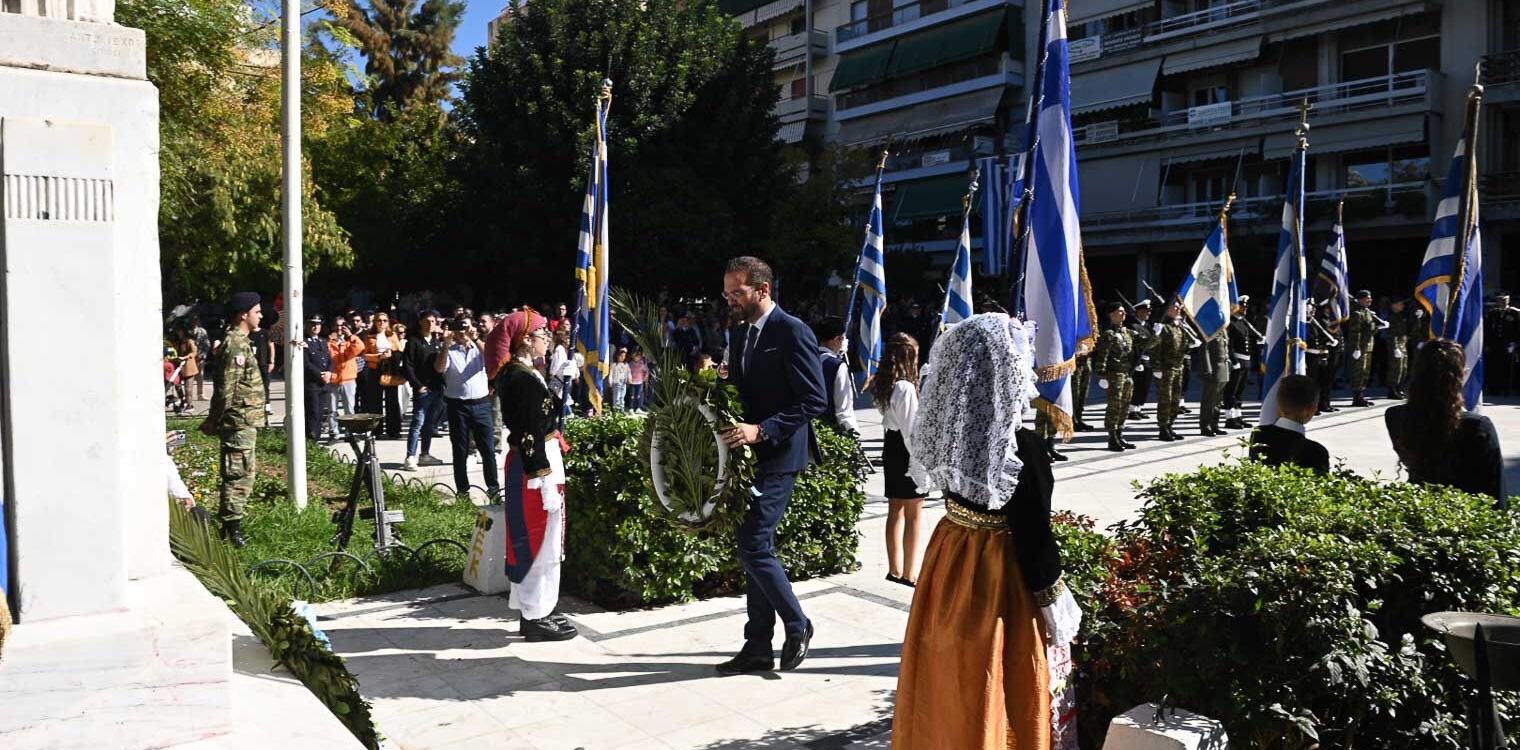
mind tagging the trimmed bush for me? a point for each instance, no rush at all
(622, 553)
(1287, 606)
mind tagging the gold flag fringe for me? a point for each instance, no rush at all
(1060, 420)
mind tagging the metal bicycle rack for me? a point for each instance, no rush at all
(368, 478)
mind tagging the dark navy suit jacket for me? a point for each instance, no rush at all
(783, 391)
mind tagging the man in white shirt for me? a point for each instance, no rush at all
(466, 393)
(836, 375)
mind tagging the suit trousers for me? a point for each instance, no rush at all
(316, 401)
(768, 592)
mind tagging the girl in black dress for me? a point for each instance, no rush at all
(1437, 440)
(895, 391)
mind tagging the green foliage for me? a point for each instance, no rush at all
(407, 51)
(215, 65)
(277, 530)
(1286, 605)
(622, 552)
(811, 234)
(694, 161)
(271, 619)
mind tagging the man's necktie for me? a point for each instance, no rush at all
(749, 345)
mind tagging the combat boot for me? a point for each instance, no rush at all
(232, 531)
(1359, 399)
(1050, 448)
(1113, 441)
(1127, 444)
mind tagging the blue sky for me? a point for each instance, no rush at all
(472, 31)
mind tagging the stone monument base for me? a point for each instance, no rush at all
(1177, 730)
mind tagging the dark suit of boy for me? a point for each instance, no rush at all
(780, 378)
(1274, 446)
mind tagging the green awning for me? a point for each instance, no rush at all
(952, 42)
(927, 198)
(862, 67)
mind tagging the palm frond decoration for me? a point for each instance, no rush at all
(700, 483)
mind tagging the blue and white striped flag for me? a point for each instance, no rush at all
(1439, 284)
(1287, 316)
(957, 305)
(1055, 281)
(1208, 293)
(1002, 192)
(871, 283)
(1333, 279)
(593, 319)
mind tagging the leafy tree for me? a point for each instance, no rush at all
(696, 173)
(216, 68)
(406, 47)
(811, 234)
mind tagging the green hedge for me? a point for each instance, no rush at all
(620, 553)
(1287, 606)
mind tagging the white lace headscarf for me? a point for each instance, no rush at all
(978, 382)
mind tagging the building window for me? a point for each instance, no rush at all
(1386, 166)
(799, 88)
(1207, 95)
(799, 25)
(859, 10)
(1398, 46)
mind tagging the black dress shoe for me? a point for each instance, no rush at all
(1056, 455)
(743, 664)
(547, 629)
(1084, 427)
(796, 648)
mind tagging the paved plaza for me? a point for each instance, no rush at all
(445, 668)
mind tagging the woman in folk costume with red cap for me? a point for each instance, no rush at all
(533, 488)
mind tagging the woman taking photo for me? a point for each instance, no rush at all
(990, 600)
(1438, 442)
(895, 392)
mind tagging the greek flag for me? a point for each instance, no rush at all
(1002, 192)
(1055, 283)
(593, 316)
(1332, 283)
(1287, 315)
(1455, 302)
(1208, 293)
(958, 295)
(871, 283)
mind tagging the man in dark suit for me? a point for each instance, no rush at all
(1284, 441)
(774, 362)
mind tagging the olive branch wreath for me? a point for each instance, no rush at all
(699, 484)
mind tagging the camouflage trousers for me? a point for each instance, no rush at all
(1361, 370)
(237, 471)
(1168, 395)
(1398, 361)
(1043, 426)
(1081, 382)
(1120, 390)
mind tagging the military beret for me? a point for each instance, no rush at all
(243, 302)
(1108, 309)
(1363, 293)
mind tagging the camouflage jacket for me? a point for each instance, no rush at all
(1115, 353)
(1360, 330)
(1171, 347)
(238, 401)
(1398, 326)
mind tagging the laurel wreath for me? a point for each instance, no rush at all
(698, 483)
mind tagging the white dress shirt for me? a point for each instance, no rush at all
(1288, 424)
(899, 413)
(465, 377)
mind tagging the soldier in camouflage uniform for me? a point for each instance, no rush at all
(1216, 373)
(237, 408)
(1398, 348)
(1081, 382)
(1045, 429)
(1360, 337)
(1167, 358)
(1114, 361)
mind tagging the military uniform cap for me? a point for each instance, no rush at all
(1109, 308)
(1145, 303)
(1363, 293)
(243, 302)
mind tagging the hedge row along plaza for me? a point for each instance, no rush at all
(663, 374)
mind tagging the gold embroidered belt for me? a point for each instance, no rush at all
(973, 519)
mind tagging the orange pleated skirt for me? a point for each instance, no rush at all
(973, 665)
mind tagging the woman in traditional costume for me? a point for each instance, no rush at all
(989, 599)
(533, 485)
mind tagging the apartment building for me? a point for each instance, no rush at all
(1178, 103)
(796, 31)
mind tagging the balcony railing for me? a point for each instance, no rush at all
(1501, 68)
(815, 107)
(1405, 198)
(794, 45)
(898, 17)
(1367, 93)
(1219, 17)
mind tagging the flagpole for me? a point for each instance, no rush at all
(603, 109)
(849, 311)
(1020, 218)
(976, 174)
(1467, 211)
